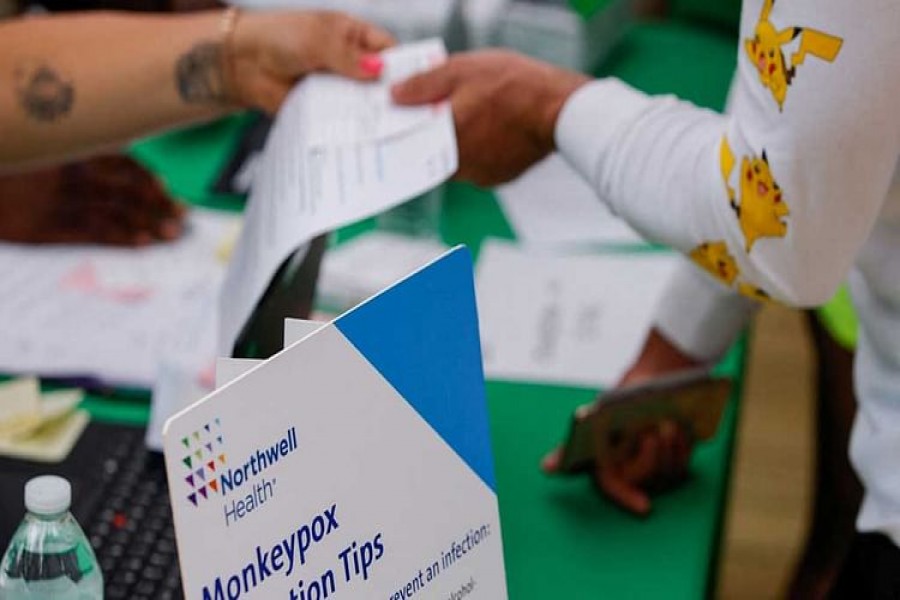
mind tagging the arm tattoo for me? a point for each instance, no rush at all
(43, 93)
(199, 75)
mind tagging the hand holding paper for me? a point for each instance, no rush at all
(272, 50)
(505, 106)
(339, 151)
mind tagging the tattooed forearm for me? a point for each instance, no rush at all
(199, 76)
(43, 93)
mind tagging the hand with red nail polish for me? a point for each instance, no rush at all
(273, 50)
(372, 64)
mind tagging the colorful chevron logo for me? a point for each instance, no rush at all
(203, 461)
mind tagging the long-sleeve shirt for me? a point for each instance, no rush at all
(780, 198)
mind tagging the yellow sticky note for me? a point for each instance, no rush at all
(55, 405)
(20, 407)
(51, 442)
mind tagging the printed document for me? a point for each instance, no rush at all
(566, 319)
(339, 151)
(109, 313)
(552, 205)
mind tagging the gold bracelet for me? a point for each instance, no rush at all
(227, 26)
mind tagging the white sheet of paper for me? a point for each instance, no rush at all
(370, 263)
(571, 320)
(107, 313)
(337, 153)
(229, 369)
(297, 329)
(186, 371)
(552, 205)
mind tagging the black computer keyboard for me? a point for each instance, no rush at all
(120, 498)
(130, 525)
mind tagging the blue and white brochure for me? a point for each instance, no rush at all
(356, 463)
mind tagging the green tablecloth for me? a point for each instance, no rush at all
(561, 540)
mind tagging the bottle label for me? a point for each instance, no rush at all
(32, 566)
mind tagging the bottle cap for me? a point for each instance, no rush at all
(48, 495)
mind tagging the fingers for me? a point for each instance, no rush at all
(355, 64)
(269, 94)
(550, 463)
(658, 461)
(353, 50)
(644, 464)
(375, 39)
(673, 454)
(426, 88)
(618, 489)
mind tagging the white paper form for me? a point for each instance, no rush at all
(107, 313)
(552, 205)
(570, 320)
(337, 153)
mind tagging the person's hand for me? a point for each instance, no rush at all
(271, 51)
(105, 200)
(505, 107)
(656, 459)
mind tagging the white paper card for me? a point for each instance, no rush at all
(316, 490)
(338, 468)
(551, 204)
(570, 320)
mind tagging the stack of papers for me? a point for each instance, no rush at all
(110, 314)
(339, 151)
(571, 320)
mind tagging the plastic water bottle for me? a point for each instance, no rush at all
(49, 556)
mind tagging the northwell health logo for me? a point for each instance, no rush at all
(204, 461)
(209, 475)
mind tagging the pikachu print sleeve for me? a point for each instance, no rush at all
(775, 199)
